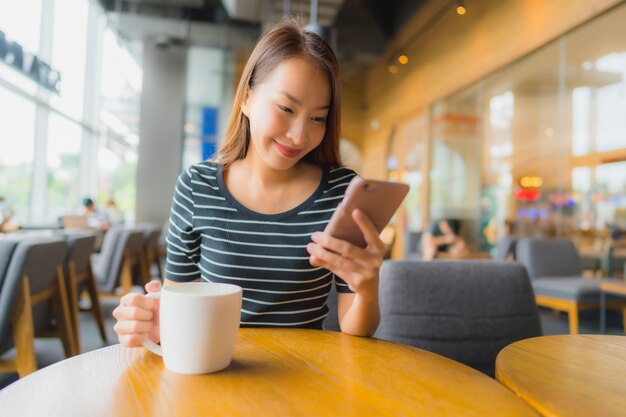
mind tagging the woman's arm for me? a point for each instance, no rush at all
(359, 313)
(358, 316)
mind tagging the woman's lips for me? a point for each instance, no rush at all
(286, 151)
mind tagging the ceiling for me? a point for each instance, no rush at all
(358, 30)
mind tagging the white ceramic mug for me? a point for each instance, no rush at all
(199, 323)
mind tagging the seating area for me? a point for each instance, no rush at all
(53, 284)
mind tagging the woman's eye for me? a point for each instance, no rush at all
(285, 109)
(318, 119)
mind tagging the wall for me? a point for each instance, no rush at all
(452, 53)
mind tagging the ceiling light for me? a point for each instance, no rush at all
(393, 69)
(460, 8)
(403, 59)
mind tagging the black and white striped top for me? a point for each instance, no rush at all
(215, 238)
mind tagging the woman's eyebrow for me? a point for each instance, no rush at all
(299, 102)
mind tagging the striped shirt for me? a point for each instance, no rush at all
(215, 238)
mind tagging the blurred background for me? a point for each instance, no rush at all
(509, 115)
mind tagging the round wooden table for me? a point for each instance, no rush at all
(273, 373)
(568, 375)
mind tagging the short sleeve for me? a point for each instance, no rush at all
(183, 242)
(341, 286)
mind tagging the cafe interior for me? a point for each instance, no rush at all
(506, 118)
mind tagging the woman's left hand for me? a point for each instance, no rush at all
(357, 267)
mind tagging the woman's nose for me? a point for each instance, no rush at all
(297, 131)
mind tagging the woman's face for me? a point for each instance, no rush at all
(287, 113)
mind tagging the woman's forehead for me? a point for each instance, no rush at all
(301, 79)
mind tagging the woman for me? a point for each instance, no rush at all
(254, 216)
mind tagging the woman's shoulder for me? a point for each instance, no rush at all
(200, 176)
(337, 180)
(340, 174)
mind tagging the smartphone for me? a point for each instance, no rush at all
(377, 199)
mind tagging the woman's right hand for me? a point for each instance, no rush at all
(138, 317)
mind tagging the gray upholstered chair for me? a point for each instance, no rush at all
(120, 254)
(6, 251)
(465, 310)
(555, 270)
(151, 249)
(33, 301)
(331, 322)
(80, 276)
(506, 248)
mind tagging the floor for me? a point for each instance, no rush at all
(50, 351)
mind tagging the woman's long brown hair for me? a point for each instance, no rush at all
(283, 41)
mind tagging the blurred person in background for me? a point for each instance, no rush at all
(443, 236)
(113, 212)
(6, 213)
(95, 218)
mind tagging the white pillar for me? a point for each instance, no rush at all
(160, 130)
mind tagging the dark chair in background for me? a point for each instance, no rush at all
(121, 253)
(465, 310)
(6, 251)
(151, 249)
(555, 270)
(80, 276)
(412, 245)
(33, 302)
(331, 322)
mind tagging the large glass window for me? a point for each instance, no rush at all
(69, 48)
(64, 143)
(551, 132)
(17, 138)
(57, 148)
(120, 93)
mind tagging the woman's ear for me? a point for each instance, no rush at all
(245, 103)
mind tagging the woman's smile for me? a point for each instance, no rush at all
(286, 151)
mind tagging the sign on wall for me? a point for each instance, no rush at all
(209, 132)
(12, 54)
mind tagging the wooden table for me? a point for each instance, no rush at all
(463, 255)
(274, 372)
(568, 375)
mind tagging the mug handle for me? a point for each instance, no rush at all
(149, 344)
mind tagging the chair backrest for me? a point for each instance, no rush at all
(127, 241)
(80, 248)
(548, 257)
(151, 235)
(506, 247)
(465, 310)
(6, 251)
(37, 258)
(331, 322)
(412, 244)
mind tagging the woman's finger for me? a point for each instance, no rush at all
(137, 300)
(133, 326)
(132, 340)
(133, 313)
(370, 233)
(335, 263)
(153, 286)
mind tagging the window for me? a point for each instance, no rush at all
(17, 138)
